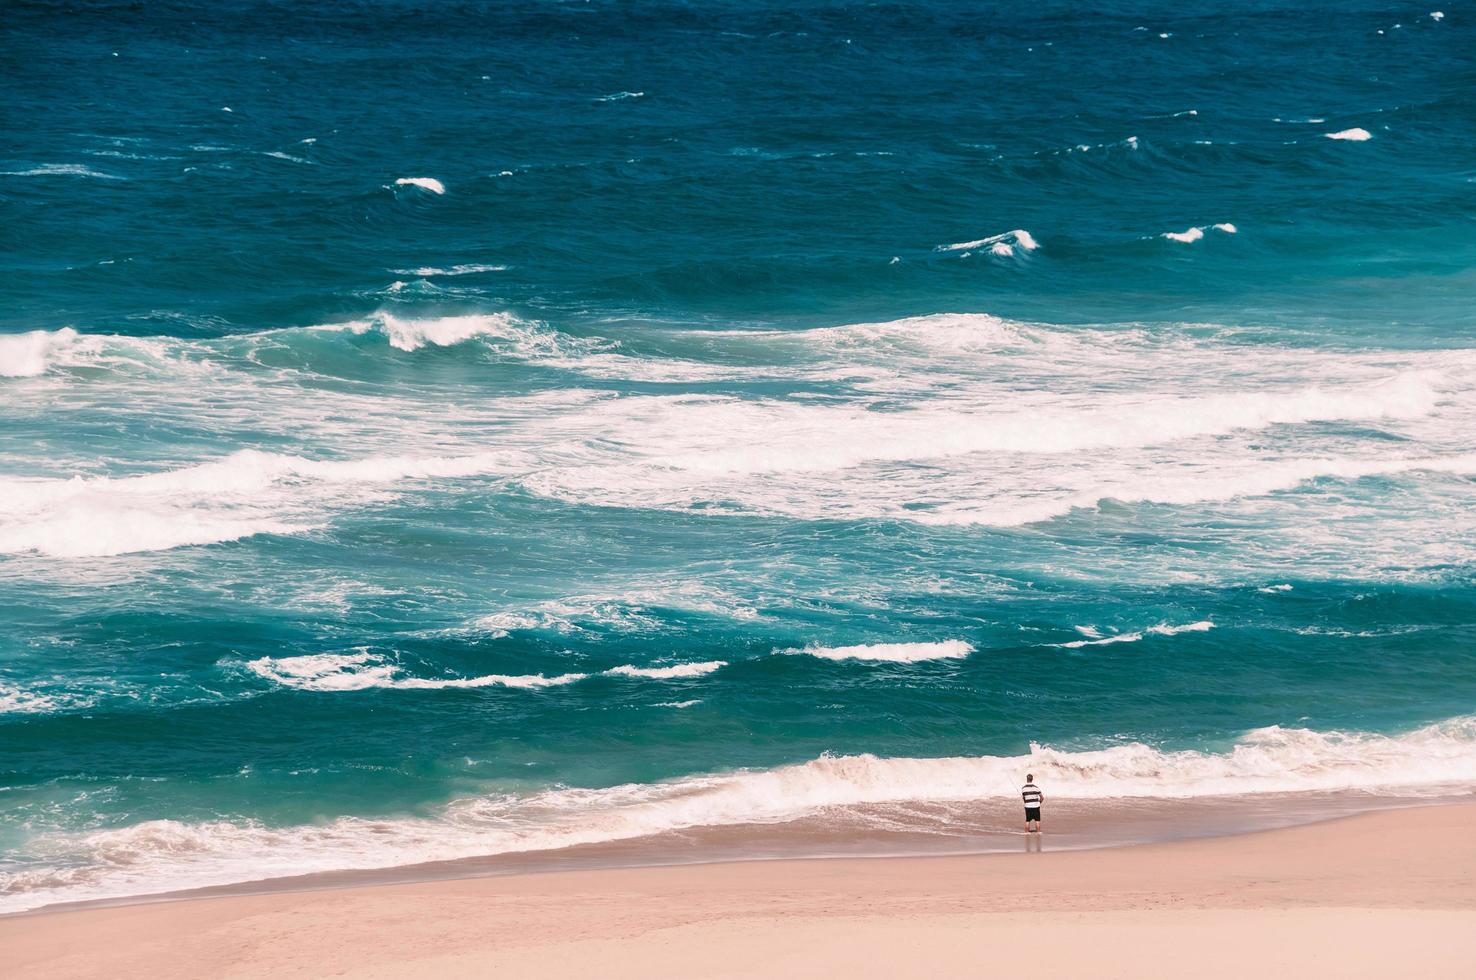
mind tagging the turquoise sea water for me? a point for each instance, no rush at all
(431, 430)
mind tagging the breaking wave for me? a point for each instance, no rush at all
(423, 183)
(1003, 244)
(161, 855)
(363, 671)
(895, 653)
(1094, 638)
(1024, 424)
(26, 355)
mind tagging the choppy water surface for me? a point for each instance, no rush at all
(440, 430)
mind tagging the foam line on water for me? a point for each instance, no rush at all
(246, 493)
(364, 670)
(61, 170)
(1094, 639)
(896, 653)
(668, 673)
(462, 269)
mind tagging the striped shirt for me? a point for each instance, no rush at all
(1032, 795)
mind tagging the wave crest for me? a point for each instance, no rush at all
(895, 653)
(364, 670)
(26, 355)
(164, 854)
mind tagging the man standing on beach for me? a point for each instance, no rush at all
(1033, 797)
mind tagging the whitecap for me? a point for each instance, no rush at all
(1095, 639)
(61, 170)
(424, 183)
(1357, 134)
(464, 269)
(1195, 233)
(1018, 238)
(897, 653)
(363, 671)
(410, 335)
(26, 355)
(668, 673)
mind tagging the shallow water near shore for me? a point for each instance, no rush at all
(644, 432)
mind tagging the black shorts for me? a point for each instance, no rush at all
(1032, 813)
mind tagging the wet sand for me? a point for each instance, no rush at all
(1380, 894)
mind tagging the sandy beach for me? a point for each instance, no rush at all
(1376, 895)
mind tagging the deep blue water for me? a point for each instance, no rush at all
(432, 430)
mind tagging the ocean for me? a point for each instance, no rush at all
(444, 431)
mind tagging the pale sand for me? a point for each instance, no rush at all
(1389, 894)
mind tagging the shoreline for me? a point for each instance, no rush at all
(1404, 878)
(1075, 825)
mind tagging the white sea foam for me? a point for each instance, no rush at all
(721, 435)
(365, 670)
(424, 183)
(1095, 639)
(108, 531)
(61, 170)
(1357, 134)
(410, 335)
(15, 700)
(946, 419)
(464, 269)
(634, 610)
(618, 96)
(1283, 587)
(1018, 238)
(162, 854)
(1195, 233)
(241, 495)
(25, 355)
(1437, 15)
(667, 673)
(896, 653)
(526, 339)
